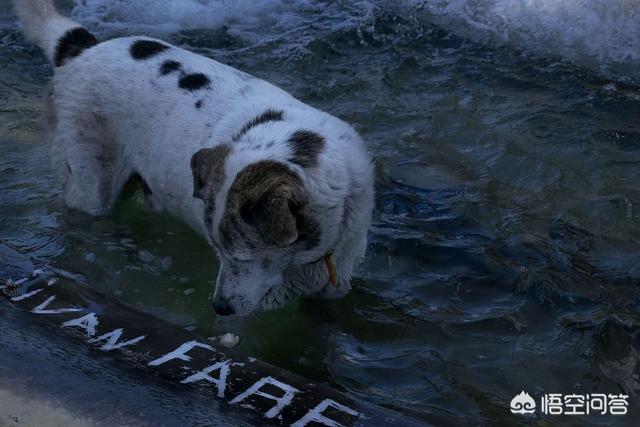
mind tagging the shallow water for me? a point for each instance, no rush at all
(505, 249)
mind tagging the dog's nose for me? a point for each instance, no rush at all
(223, 309)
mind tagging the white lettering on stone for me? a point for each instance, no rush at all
(42, 308)
(315, 415)
(281, 402)
(180, 353)
(88, 323)
(112, 339)
(220, 382)
(27, 295)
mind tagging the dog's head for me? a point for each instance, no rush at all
(259, 220)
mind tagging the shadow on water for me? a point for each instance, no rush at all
(505, 249)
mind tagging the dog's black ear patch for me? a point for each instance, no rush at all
(207, 167)
(267, 196)
(169, 67)
(72, 44)
(273, 220)
(306, 146)
(193, 82)
(268, 116)
(145, 49)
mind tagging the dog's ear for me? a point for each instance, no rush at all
(271, 199)
(274, 216)
(207, 167)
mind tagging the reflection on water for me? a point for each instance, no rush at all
(505, 249)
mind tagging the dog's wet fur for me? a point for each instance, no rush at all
(273, 184)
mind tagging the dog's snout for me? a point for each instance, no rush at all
(223, 308)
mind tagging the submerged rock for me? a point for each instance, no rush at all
(229, 340)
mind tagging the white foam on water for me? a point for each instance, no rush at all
(600, 34)
(603, 35)
(169, 16)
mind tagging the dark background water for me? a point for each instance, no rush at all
(505, 249)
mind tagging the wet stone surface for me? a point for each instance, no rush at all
(159, 349)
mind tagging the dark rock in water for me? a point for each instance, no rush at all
(12, 263)
(614, 337)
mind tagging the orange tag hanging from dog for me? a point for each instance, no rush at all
(331, 269)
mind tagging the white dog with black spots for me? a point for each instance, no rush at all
(283, 191)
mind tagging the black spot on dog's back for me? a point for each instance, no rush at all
(145, 49)
(199, 104)
(169, 67)
(193, 82)
(306, 146)
(268, 116)
(72, 44)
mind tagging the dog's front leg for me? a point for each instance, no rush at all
(86, 167)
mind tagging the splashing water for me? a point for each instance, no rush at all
(602, 35)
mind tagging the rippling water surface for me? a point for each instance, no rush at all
(505, 249)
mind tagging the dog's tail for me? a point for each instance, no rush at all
(60, 38)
